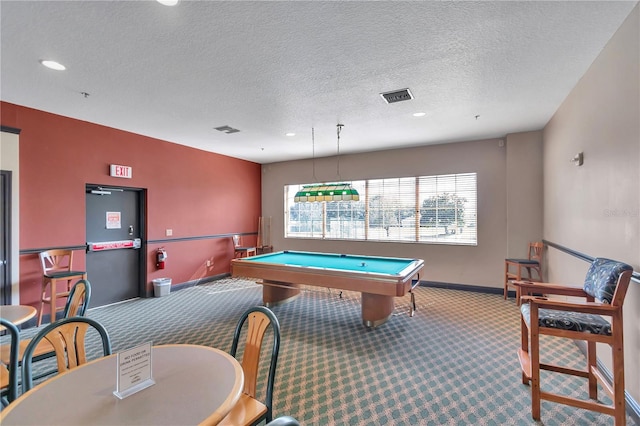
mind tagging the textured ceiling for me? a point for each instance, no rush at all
(267, 68)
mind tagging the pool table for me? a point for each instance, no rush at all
(379, 279)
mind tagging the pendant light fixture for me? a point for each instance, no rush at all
(328, 191)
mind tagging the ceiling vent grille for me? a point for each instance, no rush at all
(397, 96)
(226, 129)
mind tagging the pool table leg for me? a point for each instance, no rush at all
(376, 309)
(276, 292)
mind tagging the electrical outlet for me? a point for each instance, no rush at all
(169, 232)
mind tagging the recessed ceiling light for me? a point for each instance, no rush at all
(168, 2)
(419, 114)
(290, 134)
(53, 65)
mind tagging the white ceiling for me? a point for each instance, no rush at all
(268, 68)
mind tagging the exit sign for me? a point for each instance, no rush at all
(121, 171)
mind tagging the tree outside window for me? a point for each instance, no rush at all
(443, 210)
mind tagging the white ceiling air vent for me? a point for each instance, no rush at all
(397, 96)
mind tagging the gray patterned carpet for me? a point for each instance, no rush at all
(453, 363)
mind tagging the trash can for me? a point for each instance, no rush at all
(161, 286)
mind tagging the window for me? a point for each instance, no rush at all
(425, 209)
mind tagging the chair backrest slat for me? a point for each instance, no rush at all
(259, 319)
(78, 300)
(258, 324)
(56, 260)
(535, 251)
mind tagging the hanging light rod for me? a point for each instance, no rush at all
(327, 191)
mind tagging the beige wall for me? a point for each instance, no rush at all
(480, 265)
(524, 192)
(595, 209)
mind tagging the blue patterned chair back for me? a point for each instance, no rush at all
(602, 278)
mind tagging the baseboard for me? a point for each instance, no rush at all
(199, 281)
(463, 287)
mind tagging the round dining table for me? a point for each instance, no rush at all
(193, 385)
(17, 314)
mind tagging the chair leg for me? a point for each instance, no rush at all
(506, 280)
(617, 349)
(591, 364)
(518, 278)
(53, 301)
(524, 345)
(504, 292)
(535, 370)
(40, 314)
(412, 310)
(44, 294)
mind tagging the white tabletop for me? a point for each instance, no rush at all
(194, 385)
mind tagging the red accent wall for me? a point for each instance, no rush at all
(193, 192)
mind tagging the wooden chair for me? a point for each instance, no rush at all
(9, 370)
(242, 251)
(56, 266)
(67, 336)
(604, 289)
(248, 410)
(532, 263)
(76, 305)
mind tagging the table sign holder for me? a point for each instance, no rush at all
(134, 370)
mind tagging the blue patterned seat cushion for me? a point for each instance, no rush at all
(602, 278)
(565, 320)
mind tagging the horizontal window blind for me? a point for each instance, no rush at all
(424, 209)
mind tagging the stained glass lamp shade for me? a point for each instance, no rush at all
(326, 192)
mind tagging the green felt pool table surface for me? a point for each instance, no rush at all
(354, 263)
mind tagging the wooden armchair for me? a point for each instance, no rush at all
(514, 268)
(603, 292)
(240, 250)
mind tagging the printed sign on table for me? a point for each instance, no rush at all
(134, 370)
